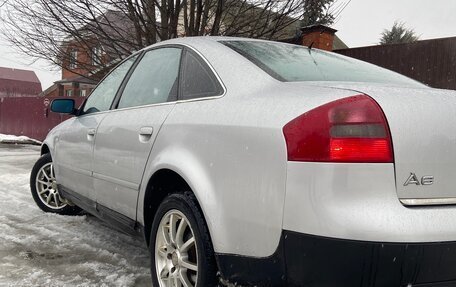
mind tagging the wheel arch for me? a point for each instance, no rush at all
(45, 149)
(164, 181)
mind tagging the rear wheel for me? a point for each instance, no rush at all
(181, 250)
(45, 191)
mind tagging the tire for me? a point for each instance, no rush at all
(175, 258)
(44, 189)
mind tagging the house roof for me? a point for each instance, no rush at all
(18, 75)
(80, 79)
(319, 28)
(115, 25)
(18, 83)
(339, 44)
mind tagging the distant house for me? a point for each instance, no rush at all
(18, 83)
(75, 86)
(83, 61)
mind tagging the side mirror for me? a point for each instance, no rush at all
(63, 106)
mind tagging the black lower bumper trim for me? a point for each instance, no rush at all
(306, 260)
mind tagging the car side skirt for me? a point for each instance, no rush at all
(113, 218)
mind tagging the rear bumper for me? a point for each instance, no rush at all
(317, 261)
(306, 260)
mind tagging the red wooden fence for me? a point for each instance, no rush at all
(432, 62)
(29, 116)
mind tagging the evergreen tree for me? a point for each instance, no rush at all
(317, 12)
(398, 34)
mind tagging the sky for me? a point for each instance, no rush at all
(360, 24)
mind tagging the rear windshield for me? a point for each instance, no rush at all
(293, 63)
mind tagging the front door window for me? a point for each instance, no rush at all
(102, 97)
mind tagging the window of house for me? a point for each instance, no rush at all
(155, 79)
(102, 97)
(96, 54)
(198, 80)
(83, 93)
(73, 59)
(69, 93)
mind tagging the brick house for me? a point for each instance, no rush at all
(18, 83)
(82, 62)
(80, 71)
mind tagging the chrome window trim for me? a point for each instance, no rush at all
(145, 50)
(167, 103)
(90, 114)
(144, 106)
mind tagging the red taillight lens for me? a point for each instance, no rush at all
(352, 129)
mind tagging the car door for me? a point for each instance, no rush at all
(126, 135)
(73, 158)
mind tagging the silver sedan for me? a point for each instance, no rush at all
(262, 163)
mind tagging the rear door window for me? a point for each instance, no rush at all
(154, 80)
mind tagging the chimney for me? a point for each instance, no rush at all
(321, 36)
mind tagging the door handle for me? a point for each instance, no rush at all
(145, 134)
(146, 131)
(90, 134)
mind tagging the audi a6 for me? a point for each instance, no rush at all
(261, 163)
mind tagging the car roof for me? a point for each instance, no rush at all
(202, 40)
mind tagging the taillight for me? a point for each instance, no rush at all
(352, 129)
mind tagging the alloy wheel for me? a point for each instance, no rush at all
(176, 259)
(46, 187)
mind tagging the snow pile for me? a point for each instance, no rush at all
(17, 139)
(39, 249)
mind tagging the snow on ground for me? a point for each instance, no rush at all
(39, 249)
(17, 139)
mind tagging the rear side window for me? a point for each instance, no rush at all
(293, 63)
(198, 80)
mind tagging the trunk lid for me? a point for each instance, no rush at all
(423, 129)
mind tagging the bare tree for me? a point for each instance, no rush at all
(50, 29)
(47, 29)
(398, 34)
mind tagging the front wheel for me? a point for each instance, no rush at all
(181, 249)
(45, 191)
